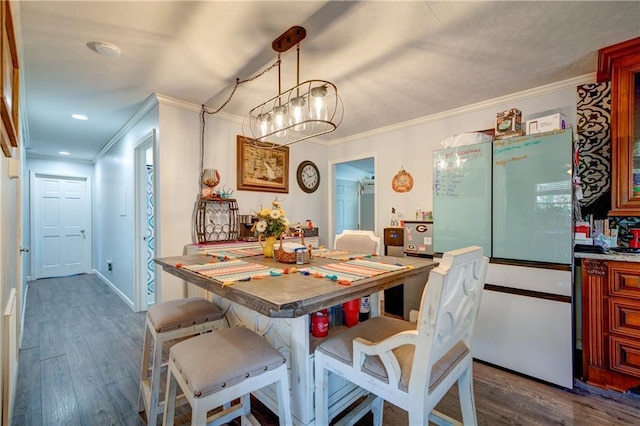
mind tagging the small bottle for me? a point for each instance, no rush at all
(365, 307)
(394, 218)
(418, 213)
(299, 256)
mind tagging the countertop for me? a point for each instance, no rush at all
(610, 255)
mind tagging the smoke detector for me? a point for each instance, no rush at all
(104, 48)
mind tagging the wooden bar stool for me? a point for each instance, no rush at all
(217, 368)
(168, 321)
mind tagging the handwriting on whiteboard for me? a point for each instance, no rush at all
(454, 176)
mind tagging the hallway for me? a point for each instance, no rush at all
(82, 346)
(80, 356)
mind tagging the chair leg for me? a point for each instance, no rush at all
(377, 409)
(321, 391)
(170, 399)
(152, 410)
(284, 399)
(467, 400)
(144, 367)
(198, 413)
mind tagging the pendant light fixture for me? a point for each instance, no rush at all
(311, 108)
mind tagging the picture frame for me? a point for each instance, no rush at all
(262, 167)
(9, 78)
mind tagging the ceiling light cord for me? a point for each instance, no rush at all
(204, 111)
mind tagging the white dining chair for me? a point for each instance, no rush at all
(357, 241)
(412, 365)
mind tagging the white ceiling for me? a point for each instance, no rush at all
(391, 61)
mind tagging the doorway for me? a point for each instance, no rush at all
(145, 282)
(61, 224)
(354, 195)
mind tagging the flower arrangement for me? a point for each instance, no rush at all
(271, 222)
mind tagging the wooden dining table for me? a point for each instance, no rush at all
(278, 308)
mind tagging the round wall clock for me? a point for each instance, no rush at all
(308, 176)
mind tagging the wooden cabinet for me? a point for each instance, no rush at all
(621, 64)
(611, 323)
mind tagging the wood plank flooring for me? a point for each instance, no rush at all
(82, 346)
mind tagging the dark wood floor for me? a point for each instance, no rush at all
(82, 346)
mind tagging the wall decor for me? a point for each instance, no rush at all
(402, 181)
(10, 76)
(593, 113)
(308, 176)
(262, 167)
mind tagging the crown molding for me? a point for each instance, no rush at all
(178, 103)
(147, 106)
(34, 156)
(518, 96)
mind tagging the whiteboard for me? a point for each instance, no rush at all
(532, 197)
(462, 198)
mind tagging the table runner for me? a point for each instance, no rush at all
(235, 253)
(233, 270)
(352, 270)
(340, 254)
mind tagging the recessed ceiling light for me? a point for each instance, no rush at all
(79, 117)
(104, 48)
(64, 153)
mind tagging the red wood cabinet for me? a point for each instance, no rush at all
(611, 323)
(621, 64)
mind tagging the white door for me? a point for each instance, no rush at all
(346, 205)
(61, 226)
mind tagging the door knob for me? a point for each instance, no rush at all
(24, 249)
(82, 231)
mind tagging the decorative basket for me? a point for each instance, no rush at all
(283, 257)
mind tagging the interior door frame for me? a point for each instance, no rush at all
(332, 192)
(32, 217)
(140, 252)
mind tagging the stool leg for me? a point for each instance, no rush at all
(152, 411)
(284, 398)
(170, 398)
(144, 367)
(198, 413)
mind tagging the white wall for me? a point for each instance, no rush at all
(412, 147)
(113, 215)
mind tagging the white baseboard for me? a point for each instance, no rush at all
(122, 296)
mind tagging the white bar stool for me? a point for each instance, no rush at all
(217, 368)
(168, 321)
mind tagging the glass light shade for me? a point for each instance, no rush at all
(310, 109)
(281, 120)
(319, 106)
(265, 124)
(299, 113)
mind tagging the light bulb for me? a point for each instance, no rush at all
(264, 121)
(281, 121)
(298, 113)
(319, 107)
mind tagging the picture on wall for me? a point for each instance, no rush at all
(262, 167)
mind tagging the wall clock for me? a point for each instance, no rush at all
(308, 176)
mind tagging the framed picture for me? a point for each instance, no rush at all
(4, 142)
(9, 76)
(262, 167)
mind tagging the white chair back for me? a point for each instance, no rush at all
(448, 313)
(357, 241)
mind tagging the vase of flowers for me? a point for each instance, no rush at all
(272, 224)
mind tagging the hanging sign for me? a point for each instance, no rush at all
(402, 181)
